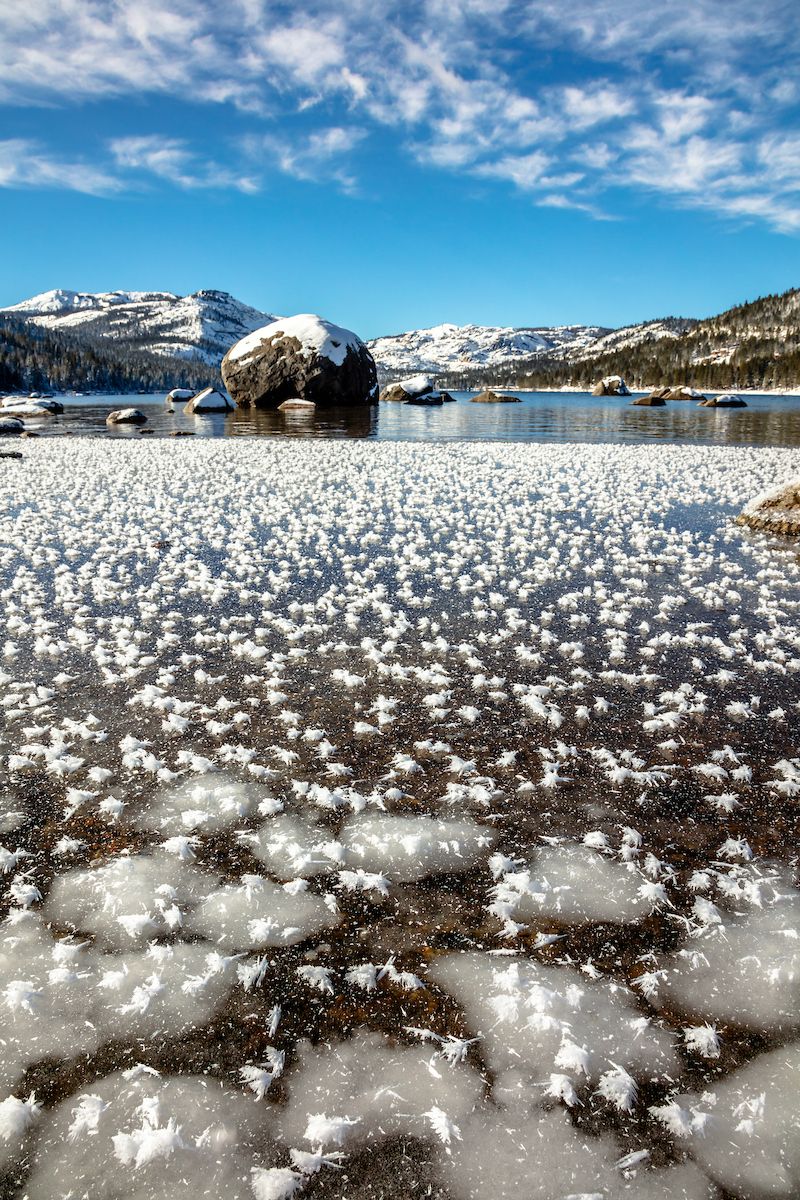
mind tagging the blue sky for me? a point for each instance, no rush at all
(393, 166)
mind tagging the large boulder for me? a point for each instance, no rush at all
(208, 401)
(126, 416)
(729, 400)
(490, 397)
(300, 357)
(775, 511)
(612, 385)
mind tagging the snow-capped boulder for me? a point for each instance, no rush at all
(301, 357)
(28, 408)
(490, 397)
(400, 392)
(126, 416)
(775, 511)
(612, 385)
(683, 393)
(729, 400)
(209, 401)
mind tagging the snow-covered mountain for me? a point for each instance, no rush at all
(453, 347)
(204, 325)
(666, 329)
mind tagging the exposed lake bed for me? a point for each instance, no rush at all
(414, 811)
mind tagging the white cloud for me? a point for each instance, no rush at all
(317, 157)
(25, 164)
(684, 101)
(173, 160)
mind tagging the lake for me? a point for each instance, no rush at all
(541, 416)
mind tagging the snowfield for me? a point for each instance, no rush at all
(397, 819)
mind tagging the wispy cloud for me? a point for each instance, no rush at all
(173, 159)
(26, 164)
(689, 103)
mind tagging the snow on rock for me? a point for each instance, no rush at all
(209, 400)
(776, 510)
(303, 357)
(137, 1136)
(538, 1021)
(315, 335)
(409, 848)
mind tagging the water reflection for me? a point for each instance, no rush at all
(542, 416)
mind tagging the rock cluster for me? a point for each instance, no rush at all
(676, 393)
(302, 357)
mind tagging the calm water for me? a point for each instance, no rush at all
(542, 416)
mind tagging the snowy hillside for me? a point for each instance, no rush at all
(666, 329)
(204, 325)
(451, 347)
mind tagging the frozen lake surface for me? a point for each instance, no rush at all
(385, 819)
(540, 416)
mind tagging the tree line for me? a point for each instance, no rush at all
(39, 360)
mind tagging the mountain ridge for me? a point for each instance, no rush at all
(144, 336)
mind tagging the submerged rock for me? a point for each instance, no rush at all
(301, 357)
(490, 397)
(611, 385)
(295, 404)
(775, 511)
(209, 401)
(126, 416)
(728, 400)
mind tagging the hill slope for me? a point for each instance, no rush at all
(201, 326)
